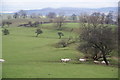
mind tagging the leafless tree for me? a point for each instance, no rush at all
(16, 15)
(22, 13)
(59, 21)
(74, 17)
(51, 15)
(95, 36)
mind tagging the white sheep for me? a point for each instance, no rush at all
(2, 60)
(65, 60)
(62, 60)
(82, 60)
(68, 59)
(103, 62)
(96, 62)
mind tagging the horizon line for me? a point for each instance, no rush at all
(52, 8)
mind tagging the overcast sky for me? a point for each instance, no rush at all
(15, 5)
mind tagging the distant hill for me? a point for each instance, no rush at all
(69, 10)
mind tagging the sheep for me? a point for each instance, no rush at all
(103, 62)
(65, 60)
(96, 62)
(62, 60)
(2, 60)
(82, 60)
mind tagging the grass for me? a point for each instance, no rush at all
(68, 25)
(0, 52)
(28, 56)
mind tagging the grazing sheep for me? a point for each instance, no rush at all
(62, 60)
(103, 62)
(65, 60)
(82, 60)
(2, 60)
(96, 62)
(68, 59)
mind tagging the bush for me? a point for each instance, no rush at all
(61, 44)
(60, 34)
(5, 31)
(38, 31)
(64, 43)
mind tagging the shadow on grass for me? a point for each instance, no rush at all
(48, 37)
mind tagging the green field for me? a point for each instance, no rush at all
(28, 56)
(0, 52)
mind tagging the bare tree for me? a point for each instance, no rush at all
(22, 14)
(109, 18)
(96, 37)
(16, 15)
(74, 17)
(33, 15)
(59, 21)
(51, 15)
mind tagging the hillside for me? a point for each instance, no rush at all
(70, 10)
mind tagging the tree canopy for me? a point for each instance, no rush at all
(96, 37)
(38, 31)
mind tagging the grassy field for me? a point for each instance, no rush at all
(0, 52)
(28, 56)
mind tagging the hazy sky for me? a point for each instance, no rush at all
(15, 5)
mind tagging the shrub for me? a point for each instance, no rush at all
(61, 44)
(38, 31)
(5, 31)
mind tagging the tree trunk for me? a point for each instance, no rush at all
(60, 26)
(59, 37)
(95, 54)
(37, 35)
(104, 58)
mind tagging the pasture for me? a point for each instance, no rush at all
(28, 56)
(0, 53)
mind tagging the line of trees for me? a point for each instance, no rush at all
(53, 15)
(20, 14)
